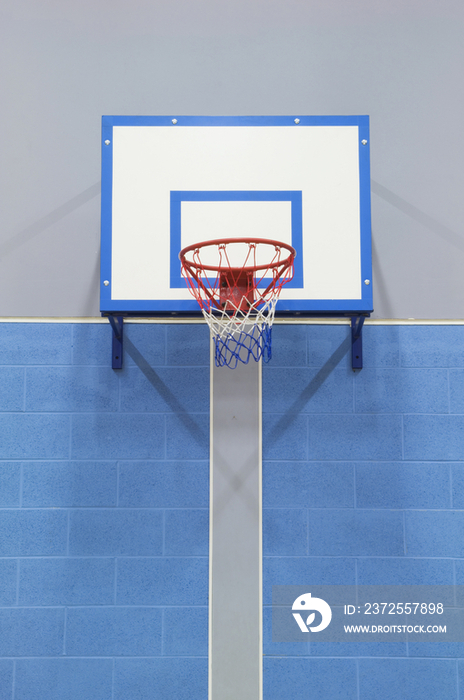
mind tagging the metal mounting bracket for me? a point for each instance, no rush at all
(117, 324)
(356, 342)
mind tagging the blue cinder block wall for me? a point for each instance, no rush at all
(363, 482)
(104, 505)
(104, 494)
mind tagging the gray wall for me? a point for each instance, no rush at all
(66, 64)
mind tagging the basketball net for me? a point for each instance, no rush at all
(237, 283)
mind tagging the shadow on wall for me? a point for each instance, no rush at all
(165, 392)
(45, 222)
(314, 385)
(429, 222)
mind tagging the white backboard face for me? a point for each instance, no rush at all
(170, 182)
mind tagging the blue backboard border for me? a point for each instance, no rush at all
(168, 308)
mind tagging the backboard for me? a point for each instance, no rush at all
(168, 182)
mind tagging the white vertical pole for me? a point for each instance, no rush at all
(235, 591)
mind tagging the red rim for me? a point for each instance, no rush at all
(225, 241)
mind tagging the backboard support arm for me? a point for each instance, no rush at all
(117, 324)
(356, 342)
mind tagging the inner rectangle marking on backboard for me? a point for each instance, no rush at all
(198, 216)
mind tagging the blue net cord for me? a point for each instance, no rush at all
(243, 346)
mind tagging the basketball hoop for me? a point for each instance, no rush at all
(237, 283)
